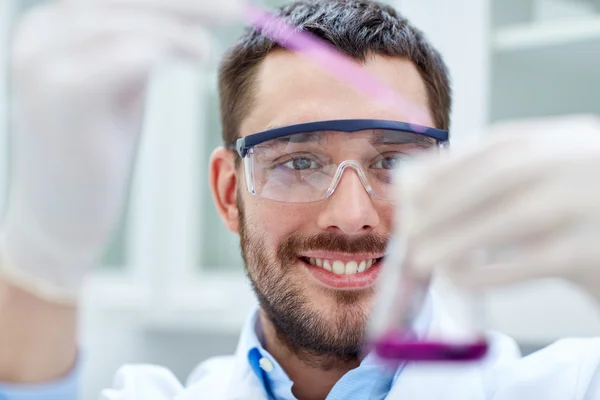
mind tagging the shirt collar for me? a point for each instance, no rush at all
(275, 382)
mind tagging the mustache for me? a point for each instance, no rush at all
(330, 242)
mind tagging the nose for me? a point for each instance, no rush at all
(349, 209)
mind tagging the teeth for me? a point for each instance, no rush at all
(338, 267)
(362, 266)
(343, 268)
(351, 267)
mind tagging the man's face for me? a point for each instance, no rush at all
(313, 310)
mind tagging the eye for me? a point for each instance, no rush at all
(389, 162)
(300, 164)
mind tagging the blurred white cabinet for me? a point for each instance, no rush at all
(548, 64)
(515, 58)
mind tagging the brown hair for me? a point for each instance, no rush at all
(357, 28)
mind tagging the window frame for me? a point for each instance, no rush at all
(166, 202)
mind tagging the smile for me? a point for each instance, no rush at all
(340, 267)
(342, 271)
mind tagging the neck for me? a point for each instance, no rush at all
(313, 375)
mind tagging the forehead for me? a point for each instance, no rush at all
(291, 89)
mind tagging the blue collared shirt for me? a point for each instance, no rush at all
(64, 389)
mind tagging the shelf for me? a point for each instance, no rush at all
(546, 69)
(546, 34)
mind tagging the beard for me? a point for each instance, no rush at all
(321, 339)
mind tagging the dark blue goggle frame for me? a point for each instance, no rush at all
(243, 145)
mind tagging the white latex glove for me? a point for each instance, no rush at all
(529, 198)
(80, 70)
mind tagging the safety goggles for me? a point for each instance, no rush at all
(304, 163)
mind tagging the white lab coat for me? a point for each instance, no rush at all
(566, 370)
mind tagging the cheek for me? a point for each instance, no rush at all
(387, 214)
(274, 222)
(282, 220)
(279, 221)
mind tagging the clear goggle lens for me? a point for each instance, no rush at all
(306, 167)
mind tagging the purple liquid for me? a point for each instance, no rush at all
(398, 347)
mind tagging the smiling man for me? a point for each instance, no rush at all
(312, 199)
(305, 179)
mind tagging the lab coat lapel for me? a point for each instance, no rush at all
(244, 384)
(235, 381)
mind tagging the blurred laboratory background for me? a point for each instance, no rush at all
(171, 288)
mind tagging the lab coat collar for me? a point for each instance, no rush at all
(245, 384)
(235, 379)
(230, 379)
(416, 381)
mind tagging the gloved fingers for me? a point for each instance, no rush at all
(204, 12)
(509, 147)
(466, 192)
(452, 268)
(571, 254)
(553, 187)
(423, 177)
(497, 275)
(56, 34)
(517, 217)
(113, 65)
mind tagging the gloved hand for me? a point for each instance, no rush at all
(80, 69)
(528, 199)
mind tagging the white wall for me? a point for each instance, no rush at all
(459, 29)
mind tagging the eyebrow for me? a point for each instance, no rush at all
(287, 140)
(399, 137)
(309, 137)
(378, 137)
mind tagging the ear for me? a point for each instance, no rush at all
(223, 184)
